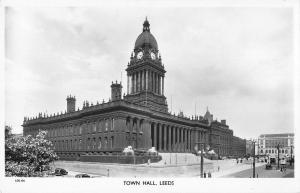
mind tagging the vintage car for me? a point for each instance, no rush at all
(268, 166)
(60, 172)
(82, 176)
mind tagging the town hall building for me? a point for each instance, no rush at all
(140, 118)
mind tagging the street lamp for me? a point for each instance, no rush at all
(291, 155)
(278, 156)
(202, 145)
(253, 142)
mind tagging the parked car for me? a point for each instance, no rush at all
(60, 172)
(268, 166)
(82, 176)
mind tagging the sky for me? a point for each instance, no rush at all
(237, 61)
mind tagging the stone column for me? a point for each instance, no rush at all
(165, 138)
(156, 90)
(160, 139)
(146, 134)
(186, 140)
(128, 84)
(178, 135)
(130, 131)
(151, 81)
(142, 87)
(163, 87)
(182, 141)
(158, 85)
(138, 82)
(147, 81)
(137, 129)
(155, 136)
(174, 138)
(133, 83)
(156, 79)
(169, 144)
(154, 82)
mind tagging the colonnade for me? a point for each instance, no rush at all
(172, 138)
(145, 80)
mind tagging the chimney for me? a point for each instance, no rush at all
(71, 103)
(116, 91)
(223, 122)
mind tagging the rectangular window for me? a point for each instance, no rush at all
(80, 143)
(112, 124)
(95, 128)
(105, 142)
(98, 125)
(106, 124)
(99, 144)
(94, 143)
(112, 142)
(88, 143)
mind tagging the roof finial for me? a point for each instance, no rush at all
(146, 25)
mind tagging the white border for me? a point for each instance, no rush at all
(46, 185)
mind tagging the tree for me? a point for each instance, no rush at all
(28, 156)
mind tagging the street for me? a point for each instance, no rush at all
(261, 172)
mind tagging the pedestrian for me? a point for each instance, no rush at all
(218, 168)
(256, 175)
(209, 174)
(204, 175)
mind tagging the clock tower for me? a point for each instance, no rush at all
(146, 73)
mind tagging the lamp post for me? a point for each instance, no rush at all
(278, 156)
(253, 159)
(291, 155)
(201, 162)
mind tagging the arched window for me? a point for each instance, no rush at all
(99, 143)
(80, 143)
(94, 127)
(112, 124)
(75, 144)
(88, 143)
(94, 143)
(112, 142)
(105, 142)
(80, 129)
(106, 125)
(99, 126)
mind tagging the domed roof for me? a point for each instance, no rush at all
(146, 38)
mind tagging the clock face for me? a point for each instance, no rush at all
(140, 55)
(153, 56)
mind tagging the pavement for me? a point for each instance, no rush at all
(261, 172)
(172, 165)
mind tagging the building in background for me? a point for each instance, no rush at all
(139, 118)
(249, 147)
(268, 143)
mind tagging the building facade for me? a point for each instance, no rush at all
(139, 118)
(268, 144)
